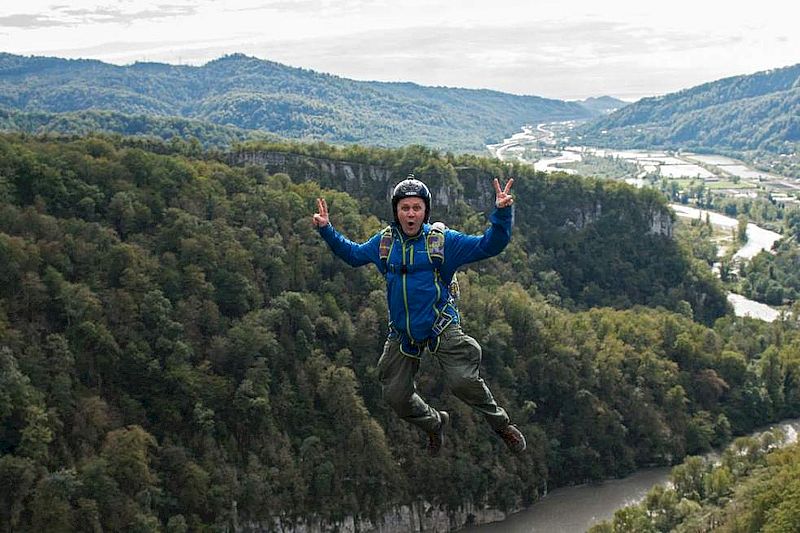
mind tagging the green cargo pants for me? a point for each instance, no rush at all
(459, 356)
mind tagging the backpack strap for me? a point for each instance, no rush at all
(435, 244)
(438, 254)
(385, 248)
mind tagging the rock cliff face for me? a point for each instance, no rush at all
(580, 217)
(347, 176)
(356, 178)
(415, 518)
(661, 223)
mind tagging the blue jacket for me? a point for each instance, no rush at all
(418, 295)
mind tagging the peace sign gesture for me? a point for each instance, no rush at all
(320, 219)
(503, 198)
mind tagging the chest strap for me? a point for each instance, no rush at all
(408, 269)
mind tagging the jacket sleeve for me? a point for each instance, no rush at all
(461, 248)
(354, 254)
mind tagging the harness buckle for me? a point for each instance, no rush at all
(441, 323)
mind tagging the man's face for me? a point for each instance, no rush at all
(411, 214)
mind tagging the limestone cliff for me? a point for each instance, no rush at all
(375, 183)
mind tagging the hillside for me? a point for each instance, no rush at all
(180, 350)
(254, 94)
(91, 121)
(757, 112)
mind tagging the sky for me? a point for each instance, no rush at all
(565, 49)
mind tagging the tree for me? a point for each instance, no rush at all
(718, 483)
(173, 369)
(52, 506)
(773, 376)
(688, 478)
(17, 479)
(128, 453)
(632, 519)
(741, 229)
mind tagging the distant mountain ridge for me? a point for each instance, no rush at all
(759, 111)
(255, 94)
(603, 104)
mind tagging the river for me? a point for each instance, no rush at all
(758, 239)
(576, 509)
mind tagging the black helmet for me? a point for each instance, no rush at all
(410, 187)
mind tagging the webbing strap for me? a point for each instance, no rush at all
(413, 348)
(385, 248)
(407, 269)
(435, 243)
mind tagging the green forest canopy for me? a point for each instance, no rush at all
(180, 349)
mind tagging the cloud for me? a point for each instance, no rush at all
(335, 11)
(103, 15)
(522, 59)
(67, 16)
(521, 45)
(297, 6)
(28, 21)
(567, 60)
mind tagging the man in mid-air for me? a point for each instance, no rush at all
(418, 261)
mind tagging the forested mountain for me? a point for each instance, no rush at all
(603, 104)
(179, 349)
(753, 112)
(254, 94)
(89, 121)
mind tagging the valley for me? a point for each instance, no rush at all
(550, 148)
(553, 147)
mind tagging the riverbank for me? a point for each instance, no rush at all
(576, 509)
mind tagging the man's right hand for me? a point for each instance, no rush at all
(320, 219)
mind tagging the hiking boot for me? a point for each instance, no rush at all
(436, 438)
(513, 438)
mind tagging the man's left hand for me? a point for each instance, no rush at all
(503, 198)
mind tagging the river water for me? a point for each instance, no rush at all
(758, 239)
(576, 509)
